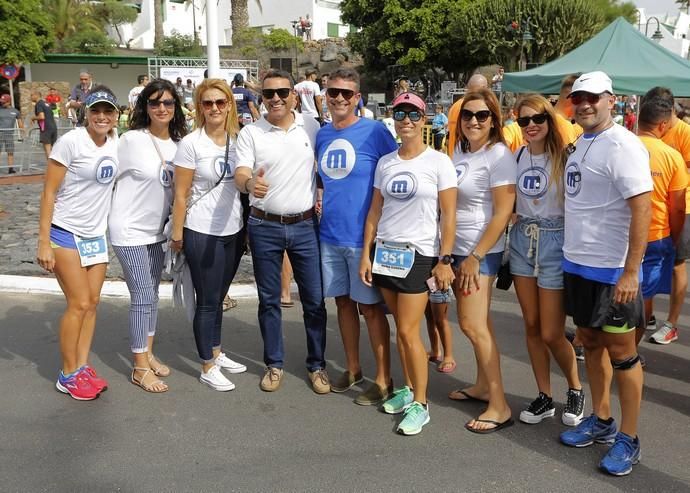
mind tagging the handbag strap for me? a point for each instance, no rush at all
(158, 150)
(225, 169)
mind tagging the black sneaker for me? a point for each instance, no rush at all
(579, 353)
(651, 323)
(540, 408)
(573, 412)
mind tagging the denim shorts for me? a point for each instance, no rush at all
(487, 267)
(440, 296)
(536, 250)
(340, 275)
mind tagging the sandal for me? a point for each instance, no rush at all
(229, 303)
(148, 387)
(158, 368)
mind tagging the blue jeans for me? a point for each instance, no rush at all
(268, 241)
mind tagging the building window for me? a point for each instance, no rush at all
(282, 64)
(333, 30)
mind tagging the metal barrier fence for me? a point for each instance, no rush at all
(28, 153)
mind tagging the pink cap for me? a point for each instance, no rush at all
(5, 98)
(411, 99)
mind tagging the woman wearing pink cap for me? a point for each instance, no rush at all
(403, 254)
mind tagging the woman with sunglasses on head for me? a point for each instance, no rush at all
(485, 171)
(139, 211)
(81, 171)
(536, 258)
(207, 221)
(403, 254)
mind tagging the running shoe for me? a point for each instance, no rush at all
(574, 409)
(665, 335)
(101, 384)
(401, 399)
(215, 379)
(227, 364)
(77, 385)
(542, 407)
(651, 323)
(624, 454)
(579, 353)
(416, 416)
(590, 430)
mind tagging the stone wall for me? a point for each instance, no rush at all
(25, 88)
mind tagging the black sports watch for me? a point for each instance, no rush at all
(446, 259)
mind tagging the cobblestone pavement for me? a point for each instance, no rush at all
(19, 210)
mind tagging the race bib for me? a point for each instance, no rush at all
(393, 259)
(92, 251)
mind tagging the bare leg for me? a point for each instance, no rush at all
(410, 312)
(622, 347)
(348, 321)
(552, 316)
(679, 286)
(528, 296)
(599, 371)
(445, 332)
(379, 337)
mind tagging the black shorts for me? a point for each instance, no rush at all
(590, 303)
(49, 136)
(415, 282)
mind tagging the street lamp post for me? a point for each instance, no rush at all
(522, 28)
(657, 36)
(294, 30)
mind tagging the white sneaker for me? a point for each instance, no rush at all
(227, 364)
(215, 379)
(665, 335)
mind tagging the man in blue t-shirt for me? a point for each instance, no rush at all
(247, 111)
(348, 150)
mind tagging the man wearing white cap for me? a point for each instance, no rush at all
(607, 215)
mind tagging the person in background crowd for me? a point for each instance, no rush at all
(207, 222)
(179, 88)
(406, 250)
(497, 80)
(536, 258)
(247, 111)
(630, 118)
(140, 208)
(188, 92)
(75, 103)
(142, 80)
(389, 122)
(10, 118)
(54, 99)
(439, 126)
(476, 82)
(325, 113)
(310, 95)
(43, 116)
(440, 331)
(76, 197)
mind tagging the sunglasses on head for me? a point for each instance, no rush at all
(334, 91)
(414, 115)
(581, 97)
(481, 115)
(155, 103)
(219, 103)
(539, 118)
(282, 93)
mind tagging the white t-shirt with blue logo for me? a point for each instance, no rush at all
(477, 174)
(597, 217)
(219, 212)
(410, 190)
(347, 161)
(538, 196)
(143, 190)
(83, 199)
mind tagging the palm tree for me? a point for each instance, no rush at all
(158, 33)
(239, 16)
(684, 4)
(69, 16)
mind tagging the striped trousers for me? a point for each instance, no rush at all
(142, 266)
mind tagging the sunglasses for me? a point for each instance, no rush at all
(581, 97)
(168, 103)
(414, 115)
(334, 91)
(539, 118)
(283, 93)
(481, 116)
(220, 104)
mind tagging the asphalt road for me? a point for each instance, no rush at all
(197, 440)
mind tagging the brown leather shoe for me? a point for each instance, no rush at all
(319, 381)
(271, 379)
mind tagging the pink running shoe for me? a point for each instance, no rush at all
(77, 385)
(101, 384)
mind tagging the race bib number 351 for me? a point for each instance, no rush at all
(393, 259)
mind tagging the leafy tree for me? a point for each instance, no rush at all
(89, 41)
(684, 4)
(158, 34)
(613, 9)
(25, 33)
(69, 17)
(281, 39)
(115, 13)
(183, 45)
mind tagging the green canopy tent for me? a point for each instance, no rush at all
(634, 63)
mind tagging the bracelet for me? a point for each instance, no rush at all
(246, 185)
(477, 256)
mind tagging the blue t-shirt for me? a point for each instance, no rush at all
(347, 161)
(439, 122)
(242, 98)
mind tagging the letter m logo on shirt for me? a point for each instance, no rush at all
(336, 158)
(399, 186)
(106, 172)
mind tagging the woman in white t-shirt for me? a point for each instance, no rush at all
(139, 211)
(403, 254)
(536, 258)
(485, 171)
(207, 221)
(80, 175)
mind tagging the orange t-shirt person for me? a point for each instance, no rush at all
(678, 137)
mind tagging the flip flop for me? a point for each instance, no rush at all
(435, 360)
(468, 397)
(447, 367)
(499, 426)
(287, 304)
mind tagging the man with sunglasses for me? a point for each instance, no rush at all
(275, 165)
(607, 215)
(347, 152)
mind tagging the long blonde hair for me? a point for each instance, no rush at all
(232, 126)
(554, 141)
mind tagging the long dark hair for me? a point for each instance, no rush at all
(139, 118)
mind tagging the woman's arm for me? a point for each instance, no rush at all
(55, 174)
(444, 272)
(370, 227)
(183, 184)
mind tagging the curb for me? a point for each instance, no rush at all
(113, 289)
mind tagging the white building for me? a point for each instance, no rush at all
(190, 16)
(673, 28)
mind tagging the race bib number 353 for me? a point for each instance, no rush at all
(92, 251)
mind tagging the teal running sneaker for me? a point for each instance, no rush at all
(401, 398)
(624, 454)
(416, 416)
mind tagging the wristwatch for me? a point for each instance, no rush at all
(446, 259)
(477, 256)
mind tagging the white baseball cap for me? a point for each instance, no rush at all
(592, 82)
